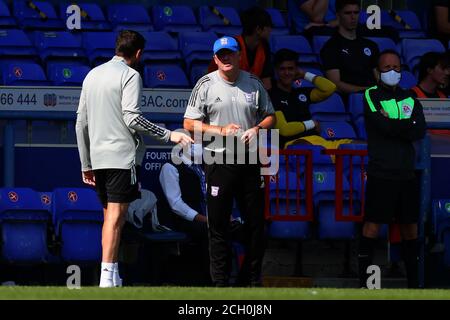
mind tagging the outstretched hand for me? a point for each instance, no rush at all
(181, 138)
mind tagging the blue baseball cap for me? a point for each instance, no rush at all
(229, 43)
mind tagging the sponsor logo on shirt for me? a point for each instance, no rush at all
(218, 100)
(250, 97)
(284, 102)
(367, 52)
(302, 97)
(407, 110)
(345, 51)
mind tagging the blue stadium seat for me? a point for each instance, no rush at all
(279, 23)
(296, 43)
(355, 167)
(302, 83)
(159, 45)
(99, 46)
(92, 17)
(197, 71)
(6, 20)
(37, 15)
(318, 42)
(440, 219)
(287, 229)
(384, 43)
(196, 46)
(356, 105)
(68, 75)
(360, 127)
(25, 219)
(414, 49)
(328, 227)
(15, 43)
(165, 76)
(408, 80)
(78, 218)
(211, 22)
(58, 44)
(336, 130)
(23, 74)
(129, 16)
(412, 20)
(331, 109)
(174, 19)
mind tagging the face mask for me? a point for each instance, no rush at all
(391, 78)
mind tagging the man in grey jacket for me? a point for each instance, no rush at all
(109, 120)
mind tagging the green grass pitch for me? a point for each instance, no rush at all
(198, 293)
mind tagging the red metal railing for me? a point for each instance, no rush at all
(340, 155)
(273, 212)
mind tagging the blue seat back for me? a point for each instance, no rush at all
(174, 18)
(30, 18)
(24, 221)
(165, 76)
(127, 14)
(295, 43)
(408, 80)
(413, 49)
(329, 228)
(92, 17)
(211, 22)
(384, 43)
(5, 16)
(336, 130)
(330, 109)
(318, 42)
(159, 45)
(356, 105)
(27, 74)
(99, 45)
(197, 45)
(15, 43)
(93, 11)
(68, 75)
(78, 216)
(197, 71)
(22, 10)
(58, 44)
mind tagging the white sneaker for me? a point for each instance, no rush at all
(117, 280)
(106, 279)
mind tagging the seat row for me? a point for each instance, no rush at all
(171, 18)
(39, 227)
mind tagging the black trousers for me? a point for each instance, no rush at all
(241, 182)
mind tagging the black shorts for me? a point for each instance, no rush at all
(117, 185)
(390, 201)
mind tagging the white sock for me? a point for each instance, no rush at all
(106, 276)
(117, 280)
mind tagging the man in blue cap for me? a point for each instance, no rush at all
(231, 105)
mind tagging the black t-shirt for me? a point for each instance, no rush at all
(294, 105)
(267, 68)
(355, 59)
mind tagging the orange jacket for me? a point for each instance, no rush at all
(420, 94)
(258, 64)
